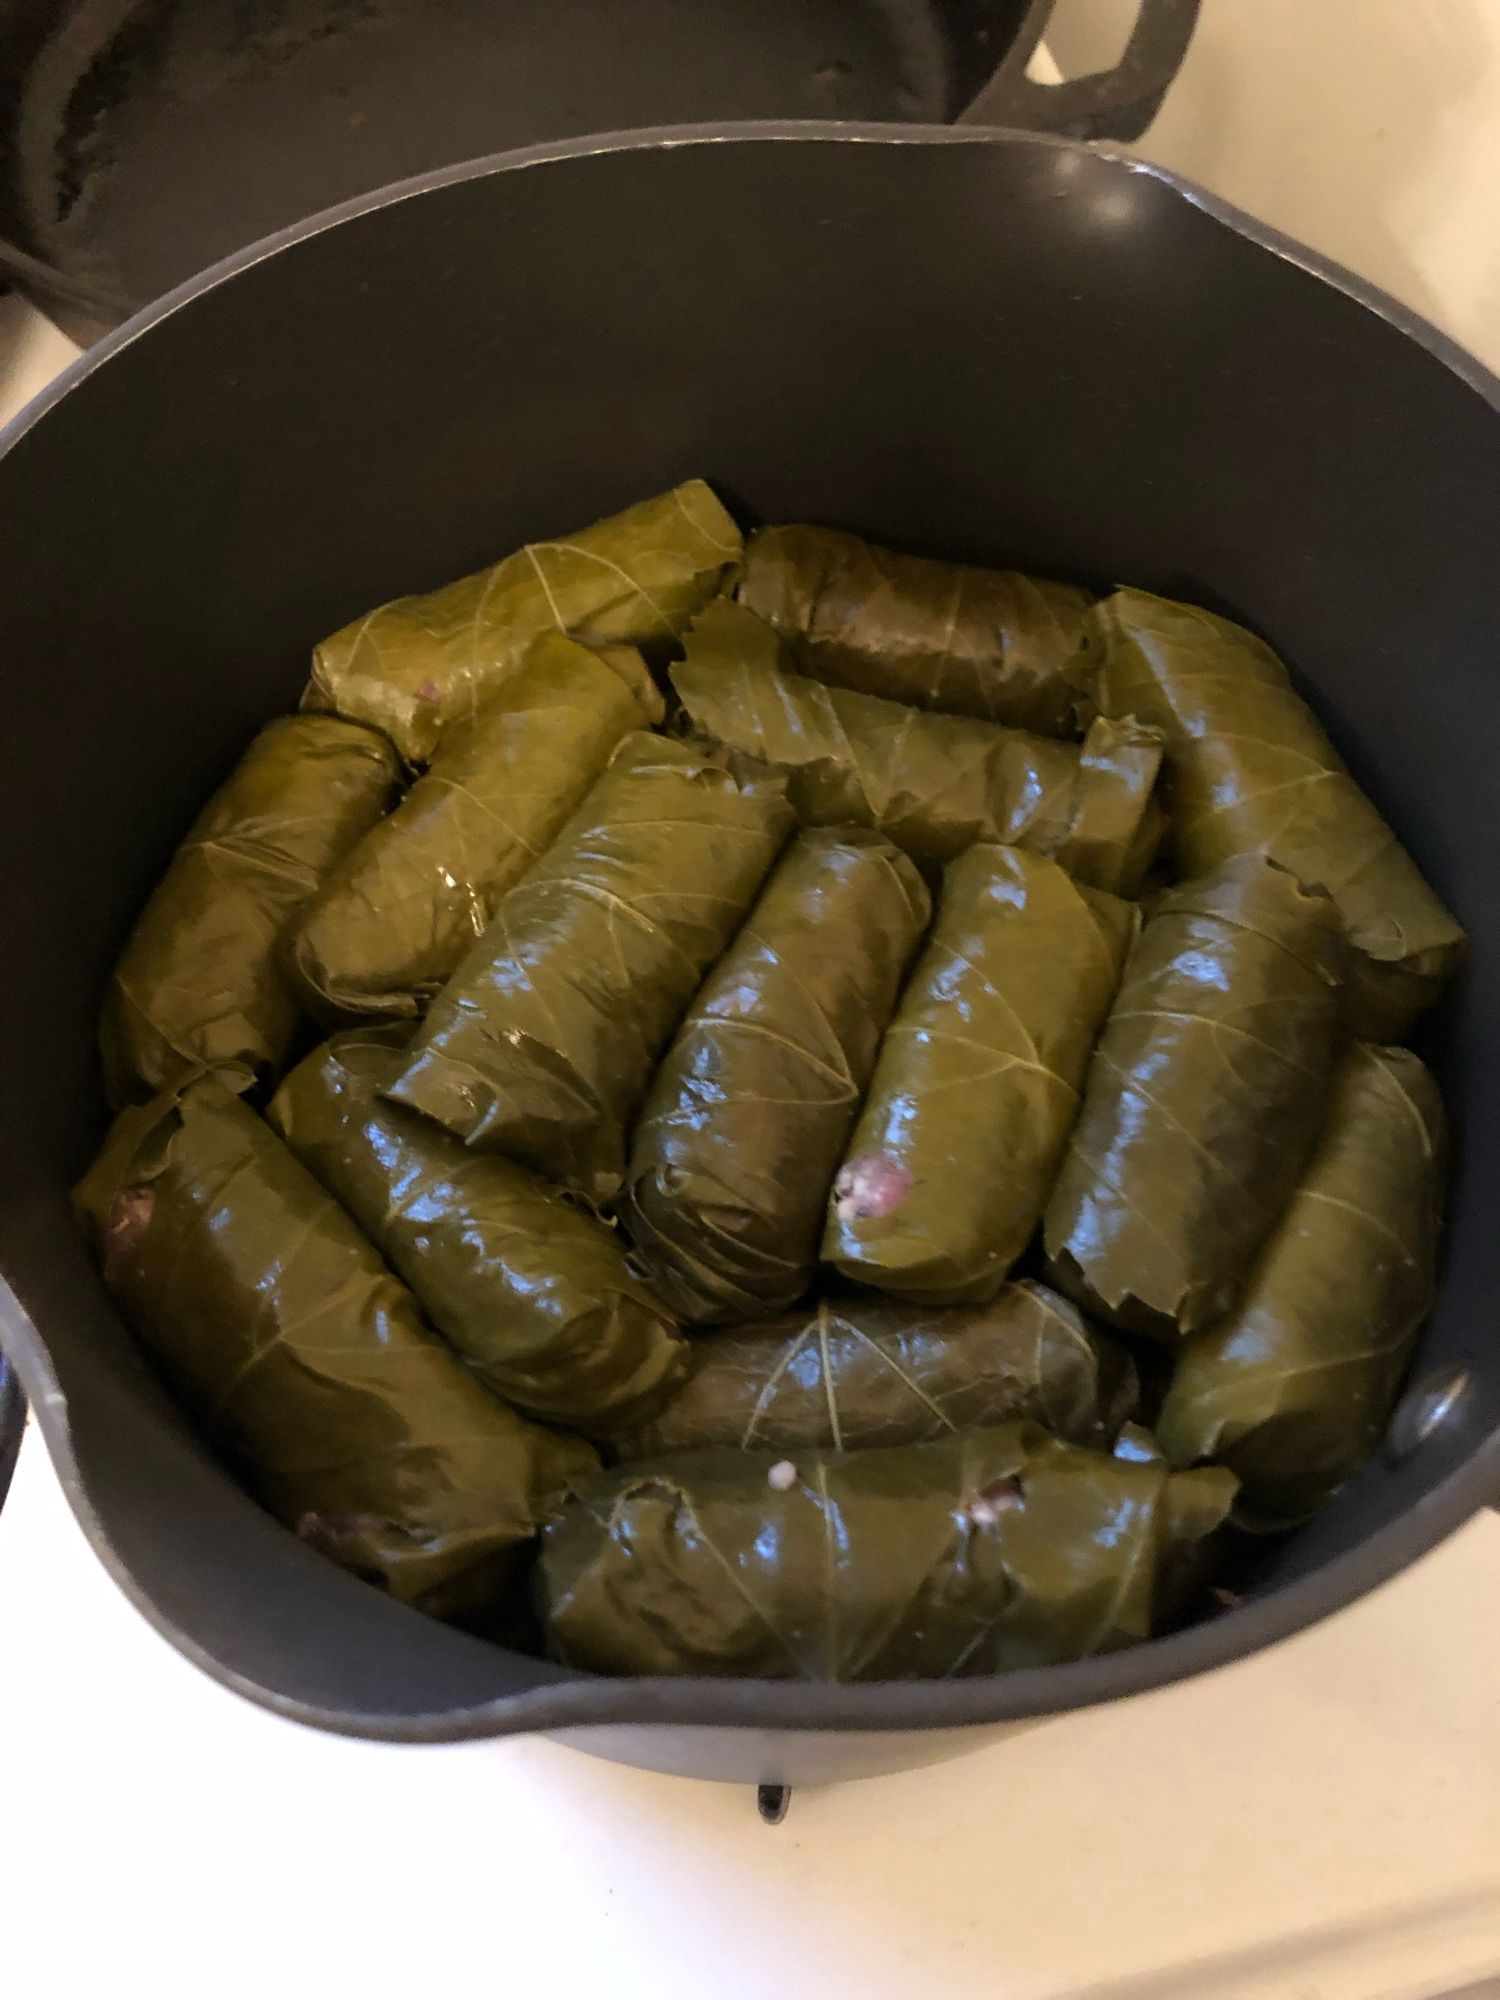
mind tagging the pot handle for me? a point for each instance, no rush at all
(1117, 103)
(12, 1423)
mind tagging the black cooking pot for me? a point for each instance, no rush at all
(997, 347)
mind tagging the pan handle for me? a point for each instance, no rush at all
(12, 1423)
(1117, 103)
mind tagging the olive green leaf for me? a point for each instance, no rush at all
(533, 1294)
(978, 1080)
(1203, 1099)
(412, 666)
(982, 642)
(1293, 1389)
(393, 921)
(740, 1138)
(989, 1551)
(202, 983)
(932, 783)
(1250, 770)
(306, 1363)
(857, 1369)
(543, 1043)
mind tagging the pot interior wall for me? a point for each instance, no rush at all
(1013, 351)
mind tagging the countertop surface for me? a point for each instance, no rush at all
(1319, 1823)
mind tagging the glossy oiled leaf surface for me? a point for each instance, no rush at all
(531, 1292)
(306, 1363)
(1293, 1389)
(395, 918)
(543, 1042)
(978, 1080)
(990, 1551)
(858, 1369)
(933, 783)
(1202, 1101)
(1252, 770)
(413, 666)
(202, 982)
(988, 643)
(735, 1151)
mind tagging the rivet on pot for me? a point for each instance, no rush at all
(1426, 1407)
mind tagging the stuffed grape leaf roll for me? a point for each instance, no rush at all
(932, 783)
(533, 1294)
(1250, 770)
(982, 642)
(857, 1369)
(1293, 1389)
(202, 984)
(1203, 1099)
(392, 922)
(306, 1363)
(989, 1551)
(413, 666)
(978, 1080)
(543, 1042)
(746, 1122)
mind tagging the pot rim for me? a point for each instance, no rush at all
(566, 1701)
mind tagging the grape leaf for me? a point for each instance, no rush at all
(543, 1042)
(857, 1369)
(414, 665)
(978, 1080)
(1251, 771)
(989, 1551)
(1203, 1099)
(534, 1294)
(932, 783)
(987, 643)
(305, 1362)
(201, 983)
(1293, 1389)
(393, 921)
(742, 1134)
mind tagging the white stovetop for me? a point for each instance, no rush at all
(1319, 1823)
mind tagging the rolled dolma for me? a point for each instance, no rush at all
(413, 666)
(392, 922)
(989, 1551)
(1293, 1389)
(533, 1294)
(934, 784)
(858, 1369)
(1251, 770)
(982, 642)
(978, 1080)
(1203, 1099)
(543, 1042)
(201, 983)
(746, 1122)
(306, 1363)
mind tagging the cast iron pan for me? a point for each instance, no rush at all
(146, 139)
